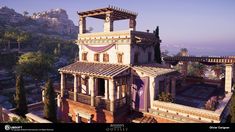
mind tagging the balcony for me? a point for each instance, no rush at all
(99, 101)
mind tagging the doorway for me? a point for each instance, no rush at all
(101, 86)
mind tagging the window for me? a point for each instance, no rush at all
(149, 56)
(136, 58)
(105, 57)
(84, 56)
(96, 57)
(119, 57)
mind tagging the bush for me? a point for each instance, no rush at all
(166, 97)
(212, 103)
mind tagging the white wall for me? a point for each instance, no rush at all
(118, 48)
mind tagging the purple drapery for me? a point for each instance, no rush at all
(100, 48)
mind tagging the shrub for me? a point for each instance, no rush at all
(212, 103)
(166, 97)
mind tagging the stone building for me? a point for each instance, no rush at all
(116, 71)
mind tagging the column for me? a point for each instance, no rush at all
(185, 68)
(96, 86)
(77, 118)
(62, 84)
(108, 23)
(111, 94)
(228, 78)
(43, 95)
(132, 24)
(173, 83)
(75, 89)
(118, 92)
(167, 85)
(92, 88)
(79, 85)
(106, 94)
(82, 25)
(58, 100)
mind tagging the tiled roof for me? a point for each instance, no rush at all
(154, 70)
(95, 69)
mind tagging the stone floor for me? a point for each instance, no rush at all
(196, 95)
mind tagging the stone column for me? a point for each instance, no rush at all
(184, 69)
(118, 92)
(43, 95)
(108, 23)
(173, 83)
(111, 94)
(92, 88)
(75, 89)
(106, 94)
(79, 84)
(167, 85)
(58, 100)
(62, 84)
(228, 78)
(82, 25)
(132, 24)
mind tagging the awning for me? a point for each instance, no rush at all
(94, 69)
(154, 70)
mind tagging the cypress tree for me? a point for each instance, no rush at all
(157, 50)
(232, 109)
(50, 102)
(20, 97)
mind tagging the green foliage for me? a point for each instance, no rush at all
(18, 120)
(50, 102)
(157, 50)
(232, 109)
(20, 98)
(196, 69)
(166, 97)
(35, 64)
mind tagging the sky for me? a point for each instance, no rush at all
(205, 27)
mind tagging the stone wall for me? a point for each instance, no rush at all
(193, 114)
(69, 108)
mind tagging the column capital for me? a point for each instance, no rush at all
(61, 73)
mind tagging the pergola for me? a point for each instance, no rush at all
(109, 14)
(228, 61)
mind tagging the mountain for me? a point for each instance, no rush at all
(53, 23)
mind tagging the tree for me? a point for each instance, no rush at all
(22, 37)
(35, 64)
(20, 98)
(49, 102)
(157, 50)
(232, 109)
(183, 52)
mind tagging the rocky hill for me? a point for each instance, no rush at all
(54, 22)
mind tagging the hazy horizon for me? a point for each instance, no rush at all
(205, 27)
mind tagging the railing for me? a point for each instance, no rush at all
(120, 102)
(86, 99)
(102, 103)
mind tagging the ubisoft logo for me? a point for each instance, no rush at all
(7, 127)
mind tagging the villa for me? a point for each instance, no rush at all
(116, 74)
